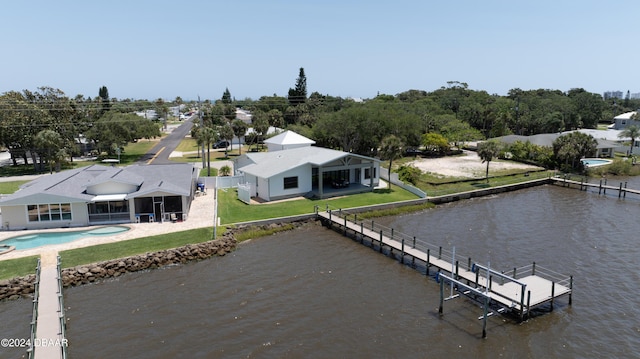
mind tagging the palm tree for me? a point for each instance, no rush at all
(208, 136)
(391, 148)
(487, 151)
(239, 129)
(633, 132)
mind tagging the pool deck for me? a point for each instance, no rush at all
(200, 215)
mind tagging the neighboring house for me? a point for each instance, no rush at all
(605, 148)
(102, 195)
(293, 167)
(625, 120)
(286, 141)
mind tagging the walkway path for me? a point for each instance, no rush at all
(49, 332)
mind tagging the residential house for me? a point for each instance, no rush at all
(292, 167)
(100, 194)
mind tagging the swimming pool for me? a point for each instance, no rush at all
(595, 162)
(33, 240)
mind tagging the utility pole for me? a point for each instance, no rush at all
(201, 127)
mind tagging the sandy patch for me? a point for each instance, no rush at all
(466, 165)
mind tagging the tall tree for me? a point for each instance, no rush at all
(632, 132)
(390, 149)
(298, 95)
(208, 136)
(105, 103)
(239, 129)
(570, 148)
(226, 133)
(48, 144)
(226, 97)
(487, 151)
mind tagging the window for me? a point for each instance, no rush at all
(49, 212)
(290, 182)
(367, 173)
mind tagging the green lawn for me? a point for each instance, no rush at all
(10, 187)
(18, 267)
(232, 210)
(102, 252)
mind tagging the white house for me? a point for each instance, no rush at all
(625, 120)
(293, 167)
(100, 195)
(287, 140)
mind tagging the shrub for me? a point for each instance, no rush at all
(409, 174)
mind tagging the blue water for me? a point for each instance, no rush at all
(595, 162)
(33, 240)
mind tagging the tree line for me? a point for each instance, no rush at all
(433, 120)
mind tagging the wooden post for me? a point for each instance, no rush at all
(440, 253)
(624, 195)
(391, 233)
(361, 232)
(330, 221)
(345, 225)
(571, 288)
(484, 317)
(414, 242)
(402, 252)
(553, 293)
(441, 296)
(522, 303)
(469, 264)
(381, 241)
(533, 269)
(372, 226)
(620, 190)
(528, 304)
(355, 218)
(428, 260)
(456, 276)
(514, 272)
(477, 277)
(600, 188)
(604, 190)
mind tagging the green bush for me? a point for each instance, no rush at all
(409, 174)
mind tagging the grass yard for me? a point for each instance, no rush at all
(10, 187)
(102, 252)
(232, 210)
(18, 267)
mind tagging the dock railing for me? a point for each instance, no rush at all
(34, 313)
(61, 314)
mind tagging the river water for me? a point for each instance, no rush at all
(312, 293)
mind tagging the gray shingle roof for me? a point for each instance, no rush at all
(268, 164)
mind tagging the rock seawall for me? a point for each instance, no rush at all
(25, 286)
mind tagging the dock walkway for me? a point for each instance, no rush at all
(50, 341)
(524, 290)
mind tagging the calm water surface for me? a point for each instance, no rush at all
(311, 293)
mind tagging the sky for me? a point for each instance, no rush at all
(150, 49)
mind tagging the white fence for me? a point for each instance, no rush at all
(244, 192)
(221, 181)
(384, 173)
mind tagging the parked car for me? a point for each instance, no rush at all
(220, 144)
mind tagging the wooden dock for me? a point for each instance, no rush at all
(518, 292)
(602, 187)
(48, 340)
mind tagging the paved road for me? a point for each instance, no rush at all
(159, 154)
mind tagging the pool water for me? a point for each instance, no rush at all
(29, 241)
(593, 162)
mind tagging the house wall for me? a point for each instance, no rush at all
(276, 147)
(262, 188)
(111, 188)
(622, 123)
(15, 217)
(276, 183)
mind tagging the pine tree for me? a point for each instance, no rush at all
(298, 94)
(226, 96)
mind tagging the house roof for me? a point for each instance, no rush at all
(289, 138)
(606, 139)
(268, 164)
(625, 116)
(71, 185)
